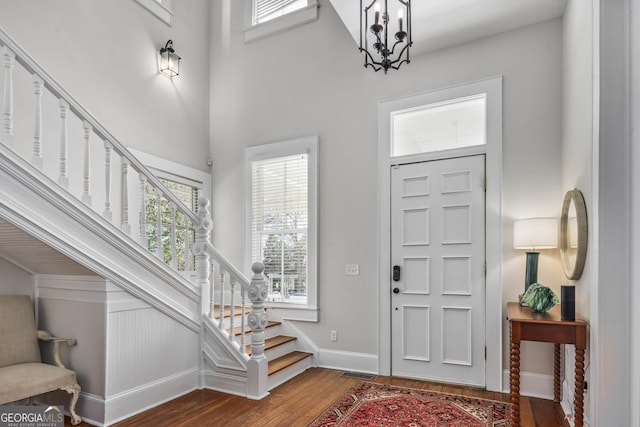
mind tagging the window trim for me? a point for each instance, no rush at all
(308, 145)
(175, 171)
(296, 18)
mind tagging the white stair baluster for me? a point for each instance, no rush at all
(63, 178)
(125, 227)
(243, 322)
(187, 254)
(107, 181)
(174, 262)
(221, 300)
(232, 306)
(143, 212)
(212, 293)
(38, 86)
(86, 183)
(159, 251)
(7, 115)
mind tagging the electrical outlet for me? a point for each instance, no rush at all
(334, 335)
(352, 270)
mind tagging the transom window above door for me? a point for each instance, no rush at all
(440, 126)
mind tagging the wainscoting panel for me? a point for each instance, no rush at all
(144, 346)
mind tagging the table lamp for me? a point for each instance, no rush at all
(533, 234)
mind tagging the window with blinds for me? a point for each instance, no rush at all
(188, 194)
(279, 224)
(266, 10)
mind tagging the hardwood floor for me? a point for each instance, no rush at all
(299, 401)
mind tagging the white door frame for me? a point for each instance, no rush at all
(493, 219)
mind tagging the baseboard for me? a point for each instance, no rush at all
(348, 361)
(126, 404)
(230, 384)
(531, 384)
(91, 408)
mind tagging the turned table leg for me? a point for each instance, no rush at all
(556, 372)
(515, 380)
(579, 392)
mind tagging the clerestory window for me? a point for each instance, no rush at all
(266, 10)
(267, 17)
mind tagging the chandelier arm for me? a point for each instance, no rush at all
(373, 61)
(402, 51)
(393, 49)
(397, 67)
(376, 69)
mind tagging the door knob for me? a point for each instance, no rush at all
(396, 290)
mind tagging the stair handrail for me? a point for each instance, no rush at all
(57, 90)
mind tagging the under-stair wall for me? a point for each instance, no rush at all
(129, 356)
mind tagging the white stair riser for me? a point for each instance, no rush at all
(281, 350)
(290, 372)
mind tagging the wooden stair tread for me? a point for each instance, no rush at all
(287, 360)
(273, 342)
(227, 311)
(236, 330)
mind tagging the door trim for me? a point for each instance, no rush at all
(493, 216)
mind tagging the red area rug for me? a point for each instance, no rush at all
(373, 404)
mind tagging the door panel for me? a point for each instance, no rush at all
(438, 241)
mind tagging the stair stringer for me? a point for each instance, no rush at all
(34, 203)
(225, 367)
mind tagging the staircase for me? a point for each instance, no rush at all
(100, 223)
(285, 357)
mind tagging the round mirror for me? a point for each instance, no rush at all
(573, 234)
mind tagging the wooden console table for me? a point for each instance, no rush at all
(526, 325)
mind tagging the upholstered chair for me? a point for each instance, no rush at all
(22, 373)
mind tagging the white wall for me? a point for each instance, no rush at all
(577, 150)
(310, 80)
(104, 53)
(15, 280)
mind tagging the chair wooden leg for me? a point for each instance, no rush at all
(74, 391)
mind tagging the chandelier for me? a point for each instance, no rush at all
(385, 56)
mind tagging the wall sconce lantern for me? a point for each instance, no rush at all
(386, 55)
(169, 61)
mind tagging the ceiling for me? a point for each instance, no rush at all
(438, 24)
(30, 254)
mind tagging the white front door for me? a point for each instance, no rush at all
(438, 270)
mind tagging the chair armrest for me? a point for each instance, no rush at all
(47, 337)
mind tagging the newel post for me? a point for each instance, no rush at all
(203, 269)
(257, 369)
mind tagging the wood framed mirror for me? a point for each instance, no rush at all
(573, 234)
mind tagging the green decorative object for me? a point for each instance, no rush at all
(540, 298)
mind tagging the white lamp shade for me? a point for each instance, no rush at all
(535, 233)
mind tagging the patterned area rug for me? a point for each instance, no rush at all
(373, 404)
